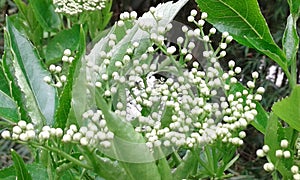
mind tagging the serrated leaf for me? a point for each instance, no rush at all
(288, 109)
(8, 108)
(66, 39)
(65, 98)
(21, 170)
(40, 97)
(45, 14)
(239, 18)
(243, 19)
(290, 39)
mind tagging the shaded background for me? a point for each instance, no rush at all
(275, 12)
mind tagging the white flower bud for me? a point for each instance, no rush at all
(225, 34)
(66, 138)
(65, 58)
(260, 90)
(286, 154)
(47, 79)
(23, 137)
(52, 67)
(250, 84)
(266, 148)
(194, 12)
(22, 124)
(229, 39)
(5, 134)
(212, 31)
(255, 75)
(133, 15)
(67, 52)
(84, 141)
(269, 167)
(63, 78)
(223, 45)
(296, 176)
(278, 153)
(16, 130)
(295, 169)
(29, 126)
(242, 134)
(171, 49)
(104, 77)
(58, 69)
(184, 29)
(190, 18)
(260, 153)
(204, 15)
(206, 38)
(222, 53)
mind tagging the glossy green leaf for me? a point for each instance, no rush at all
(45, 14)
(65, 98)
(15, 92)
(239, 18)
(40, 97)
(269, 49)
(290, 40)
(66, 39)
(8, 108)
(288, 109)
(244, 21)
(4, 81)
(21, 170)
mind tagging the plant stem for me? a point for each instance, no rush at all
(62, 153)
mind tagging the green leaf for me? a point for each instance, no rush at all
(8, 108)
(66, 39)
(8, 173)
(288, 109)
(65, 98)
(274, 134)
(244, 21)
(15, 92)
(294, 8)
(239, 18)
(290, 40)
(40, 97)
(186, 166)
(45, 14)
(21, 170)
(269, 49)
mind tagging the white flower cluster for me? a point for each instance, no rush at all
(94, 134)
(180, 111)
(72, 7)
(56, 71)
(283, 152)
(25, 132)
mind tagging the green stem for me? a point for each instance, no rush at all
(62, 153)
